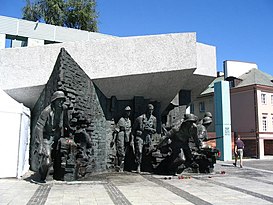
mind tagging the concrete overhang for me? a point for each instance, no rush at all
(155, 67)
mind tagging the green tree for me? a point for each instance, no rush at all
(31, 12)
(78, 14)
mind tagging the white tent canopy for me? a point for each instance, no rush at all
(14, 136)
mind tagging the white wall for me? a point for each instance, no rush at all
(24, 144)
(206, 59)
(2, 41)
(10, 132)
(34, 42)
(237, 68)
(14, 137)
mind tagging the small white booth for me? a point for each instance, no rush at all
(14, 137)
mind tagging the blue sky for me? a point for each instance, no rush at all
(240, 29)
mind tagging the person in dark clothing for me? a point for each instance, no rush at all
(239, 151)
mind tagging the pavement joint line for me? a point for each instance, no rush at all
(261, 196)
(115, 194)
(40, 195)
(260, 170)
(256, 179)
(82, 182)
(179, 192)
(73, 182)
(245, 167)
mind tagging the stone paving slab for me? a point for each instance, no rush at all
(14, 191)
(228, 185)
(138, 190)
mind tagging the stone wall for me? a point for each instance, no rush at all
(84, 99)
(81, 97)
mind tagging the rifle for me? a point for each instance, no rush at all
(213, 138)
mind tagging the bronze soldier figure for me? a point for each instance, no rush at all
(49, 129)
(178, 139)
(121, 138)
(202, 131)
(144, 127)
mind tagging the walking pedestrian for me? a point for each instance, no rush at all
(239, 151)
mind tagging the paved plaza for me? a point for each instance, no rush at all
(252, 184)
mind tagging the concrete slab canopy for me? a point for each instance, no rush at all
(155, 66)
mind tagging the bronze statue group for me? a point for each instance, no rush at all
(64, 145)
(181, 147)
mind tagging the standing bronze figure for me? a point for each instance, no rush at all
(49, 129)
(121, 138)
(202, 126)
(143, 129)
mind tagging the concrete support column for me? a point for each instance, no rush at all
(17, 43)
(222, 119)
(261, 148)
(2, 40)
(35, 42)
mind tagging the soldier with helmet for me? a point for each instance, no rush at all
(181, 138)
(143, 129)
(121, 137)
(202, 128)
(208, 114)
(178, 139)
(48, 130)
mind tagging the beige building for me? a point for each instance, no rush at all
(252, 111)
(251, 97)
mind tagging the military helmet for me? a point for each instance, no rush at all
(208, 114)
(190, 118)
(207, 120)
(57, 95)
(127, 108)
(150, 107)
(73, 120)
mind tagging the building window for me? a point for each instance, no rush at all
(202, 106)
(263, 98)
(271, 99)
(264, 123)
(192, 108)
